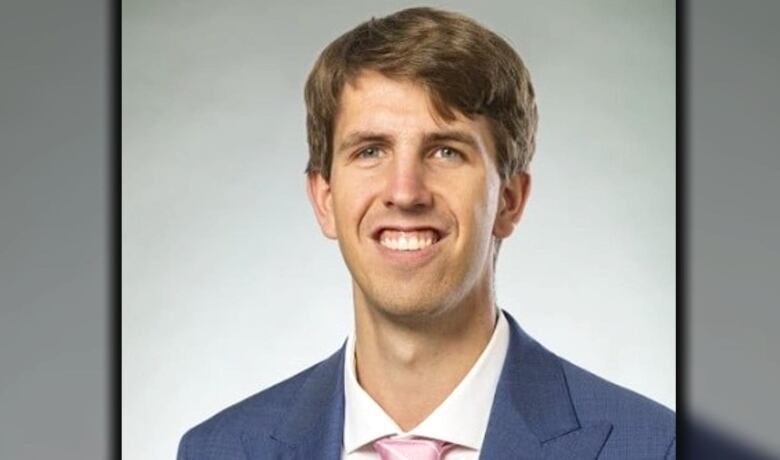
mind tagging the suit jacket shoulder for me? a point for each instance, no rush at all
(641, 427)
(232, 433)
(544, 408)
(547, 408)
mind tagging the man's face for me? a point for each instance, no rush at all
(414, 201)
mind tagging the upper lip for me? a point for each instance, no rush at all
(440, 233)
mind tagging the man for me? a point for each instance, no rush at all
(421, 127)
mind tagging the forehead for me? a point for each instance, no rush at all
(373, 101)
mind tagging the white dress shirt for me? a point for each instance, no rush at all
(461, 419)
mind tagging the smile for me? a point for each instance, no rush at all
(408, 240)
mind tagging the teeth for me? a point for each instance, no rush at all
(407, 241)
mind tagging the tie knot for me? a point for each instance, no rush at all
(397, 448)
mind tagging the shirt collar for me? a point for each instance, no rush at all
(461, 419)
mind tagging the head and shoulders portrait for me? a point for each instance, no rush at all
(457, 332)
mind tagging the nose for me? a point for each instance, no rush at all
(406, 186)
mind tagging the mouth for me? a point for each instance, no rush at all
(408, 240)
(404, 245)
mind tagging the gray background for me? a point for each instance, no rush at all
(54, 198)
(228, 285)
(734, 281)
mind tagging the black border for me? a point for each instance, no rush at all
(114, 99)
(681, 216)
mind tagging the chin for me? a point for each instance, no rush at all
(409, 304)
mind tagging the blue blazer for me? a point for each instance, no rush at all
(544, 408)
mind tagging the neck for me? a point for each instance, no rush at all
(410, 366)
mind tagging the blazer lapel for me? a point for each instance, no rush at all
(532, 415)
(314, 425)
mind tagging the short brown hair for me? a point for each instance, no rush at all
(461, 64)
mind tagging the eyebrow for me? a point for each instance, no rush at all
(361, 137)
(462, 137)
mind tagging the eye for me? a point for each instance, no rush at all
(369, 153)
(447, 153)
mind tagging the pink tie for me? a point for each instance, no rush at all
(410, 448)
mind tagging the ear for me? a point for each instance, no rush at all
(321, 201)
(514, 193)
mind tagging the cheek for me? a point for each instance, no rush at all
(352, 198)
(483, 196)
(474, 210)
